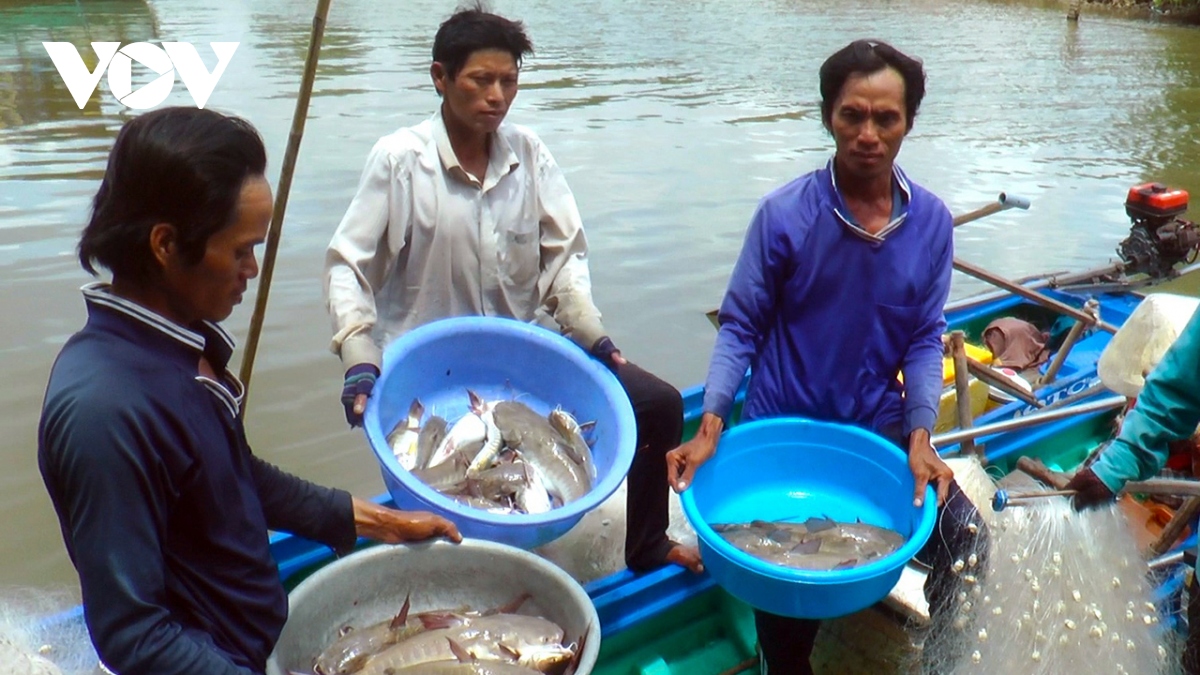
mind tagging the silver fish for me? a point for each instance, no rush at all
(403, 437)
(533, 497)
(816, 544)
(513, 638)
(497, 482)
(578, 449)
(350, 651)
(491, 446)
(447, 475)
(542, 447)
(428, 439)
(482, 503)
(469, 429)
(468, 668)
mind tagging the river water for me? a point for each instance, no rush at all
(670, 119)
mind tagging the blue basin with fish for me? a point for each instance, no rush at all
(499, 358)
(792, 469)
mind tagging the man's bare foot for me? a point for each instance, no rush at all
(686, 556)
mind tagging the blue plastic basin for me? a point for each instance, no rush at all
(499, 358)
(793, 469)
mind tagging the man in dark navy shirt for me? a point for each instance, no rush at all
(164, 509)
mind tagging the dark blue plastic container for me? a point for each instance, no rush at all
(793, 469)
(499, 358)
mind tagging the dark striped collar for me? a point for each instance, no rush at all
(205, 338)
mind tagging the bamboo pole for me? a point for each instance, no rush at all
(1073, 9)
(281, 195)
(962, 387)
(1175, 527)
(1091, 307)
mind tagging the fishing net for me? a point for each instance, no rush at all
(1061, 592)
(36, 638)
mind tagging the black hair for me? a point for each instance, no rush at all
(177, 165)
(865, 57)
(473, 29)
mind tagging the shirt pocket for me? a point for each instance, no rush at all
(893, 333)
(519, 251)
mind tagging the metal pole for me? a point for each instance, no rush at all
(281, 195)
(962, 387)
(952, 437)
(1165, 560)
(1061, 307)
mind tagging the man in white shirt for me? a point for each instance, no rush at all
(463, 214)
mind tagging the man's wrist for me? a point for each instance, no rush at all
(920, 439)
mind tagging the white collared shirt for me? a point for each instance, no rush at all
(424, 240)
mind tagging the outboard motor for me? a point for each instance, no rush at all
(1159, 239)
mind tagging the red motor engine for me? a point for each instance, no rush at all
(1159, 238)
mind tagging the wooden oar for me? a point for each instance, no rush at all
(1007, 202)
(1034, 296)
(281, 195)
(1003, 202)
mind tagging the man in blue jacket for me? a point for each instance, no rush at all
(839, 288)
(1167, 410)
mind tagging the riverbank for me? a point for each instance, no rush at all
(1172, 11)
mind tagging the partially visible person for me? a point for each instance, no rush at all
(1166, 412)
(466, 214)
(164, 509)
(839, 287)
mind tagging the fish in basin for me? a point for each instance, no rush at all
(816, 544)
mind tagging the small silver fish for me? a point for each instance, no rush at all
(403, 437)
(428, 439)
(491, 445)
(495, 483)
(533, 497)
(571, 431)
(816, 544)
(446, 475)
(467, 430)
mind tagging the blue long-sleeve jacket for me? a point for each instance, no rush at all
(826, 315)
(1167, 409)
(163, 508)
